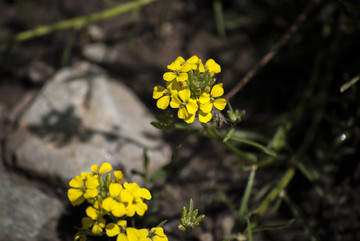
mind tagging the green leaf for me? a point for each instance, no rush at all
(254, 144)
(162, 223)
(246, 197)
(274, 227)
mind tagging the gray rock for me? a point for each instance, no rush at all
(25, 211)
(82, 117)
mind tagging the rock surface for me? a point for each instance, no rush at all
(82, 117)
(25, 211)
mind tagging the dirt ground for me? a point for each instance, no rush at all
(142, 47)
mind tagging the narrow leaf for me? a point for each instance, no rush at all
(254, 144)
(245, 200)
(274, 227)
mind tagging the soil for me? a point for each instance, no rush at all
(142, 47)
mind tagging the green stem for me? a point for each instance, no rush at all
(245, 200)
(77, 22)
(285, 180)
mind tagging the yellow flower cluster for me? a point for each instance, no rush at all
(190, 88)
(108, 196)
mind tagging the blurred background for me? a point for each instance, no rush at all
(299, 89)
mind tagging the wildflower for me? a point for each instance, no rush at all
(178, 71)
(207, 101)
(82, 187)
(190, 88)
(212, 67)
(94, 212)
(113, 229)
(155, 234)
(191, 63)
(187, 105)
(134, 196)
(105, 167)
(119, 176)
(162, 95)
(115, 202)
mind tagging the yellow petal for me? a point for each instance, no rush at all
(107, 203)
(163, 102)
(92, 182)
(193, 60)
(92, 213)
(213, 67)
(96, 229)
(122, 223)
(112, 229)
(76, 182)
(118, 209)
(160, 236)
(184, 94)
(74, 194)
(204, 117)
(192, 106)
(126, 196)
(204, 98)
(220, 103)
(122, 237)
(217, 90)
(175, 102)
(130, 210)
(90, 193)
(94, 168)
(144, 193)
(169, 76)
(207, 107)
(115, 189)
(182, 113)
(158, 91)
(190, 118)
(106, 167)
(174, 65)
(201, 68)
(182, 77)
(180, 59)
(78, 201)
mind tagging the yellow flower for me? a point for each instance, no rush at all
(91, 185)
(82, 187)
(137, 234)
(207, 101)
(187, 105)
(94, 212)
(178, 72)
(212, 67)
(162, 95)
(155, 234)
(134, 196)
(191, 64)
(115, 202)
(113, 229)
(105, 167)
(119, 176)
